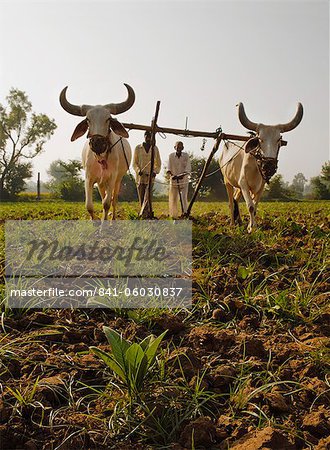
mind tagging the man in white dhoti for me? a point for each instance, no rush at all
(178, 169)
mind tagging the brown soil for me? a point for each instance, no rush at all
(257, 380)
(55, 349)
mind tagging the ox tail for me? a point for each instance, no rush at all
(236, 211)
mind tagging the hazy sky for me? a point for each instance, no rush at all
(199, 58)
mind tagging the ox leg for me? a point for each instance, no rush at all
(256, 200)
(101, 190)
(106, 205)
(230, 192)
(115, 199)
(89, 184)
(237, 214)
(106, 202)
(249, 203)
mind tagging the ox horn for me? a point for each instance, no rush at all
(244, 120)
(118, 108)
(295, 121)
(68, 107)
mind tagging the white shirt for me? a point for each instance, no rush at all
(178, 166)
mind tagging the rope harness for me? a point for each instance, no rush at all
(234, 156)
(100, 144)
(267, 166)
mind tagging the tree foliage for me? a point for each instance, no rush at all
(14, 180)
(321, 183)
(128, 190)
(23, 134)
(277, 189)
(212, 186)
(298, 184)
(66, 182)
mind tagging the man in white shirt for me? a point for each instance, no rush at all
(179, 168)
(141, 164)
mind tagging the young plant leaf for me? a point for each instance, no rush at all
(137, 364)
(146, 342)
(109, 360)
(153, 347)
(119, 346)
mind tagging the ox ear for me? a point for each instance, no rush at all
(251, 144)
(118, 128)
(80, 130)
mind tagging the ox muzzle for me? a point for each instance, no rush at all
(99, 144)
(267, 166)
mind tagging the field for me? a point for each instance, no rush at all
(247, 367)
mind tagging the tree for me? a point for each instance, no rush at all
(298, 184)
(57, 171)
(319, 189)
(14, 180)
(128, 192)
(66, 181)
(277, 189)
(23, 134)
(321, 183)
(212, 186)
(325, 173)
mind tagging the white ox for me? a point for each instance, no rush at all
(247, 167)
(106, 157)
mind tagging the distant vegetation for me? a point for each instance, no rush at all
(23, 134)
(66, 183)
(65, 180)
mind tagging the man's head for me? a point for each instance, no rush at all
(178, 147)
(147, 137)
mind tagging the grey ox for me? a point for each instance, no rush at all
(106, 156)
(247, 167)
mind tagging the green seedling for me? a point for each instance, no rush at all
(130, 362)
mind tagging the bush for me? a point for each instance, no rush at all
(71, 190)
